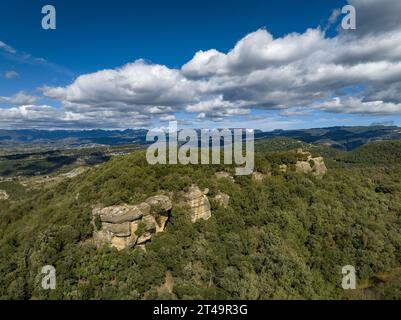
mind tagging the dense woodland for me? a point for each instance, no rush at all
(284, 238)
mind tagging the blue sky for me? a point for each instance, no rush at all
(105, 35)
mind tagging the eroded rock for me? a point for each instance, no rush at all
(222, 199)
(259, 176)
(126, 226)
(161, 202)
(315, 166)
(283, 168)
(198, 203)
(124, 213)
(224, 175)
(118, 230)
(4, 195)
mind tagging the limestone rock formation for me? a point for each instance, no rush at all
(161, 203)
(4, 195)
(198, 203)
(124, 213)
(126, 226)
(311, 165)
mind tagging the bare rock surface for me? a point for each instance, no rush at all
(127, 226)
(4, 195)
(224, 175)
(124, 213)
(198, 203)
(312, 165)
(161, 202)
(222, 199)
(283, 167)
(259, 176)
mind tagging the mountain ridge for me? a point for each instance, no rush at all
(339, 137)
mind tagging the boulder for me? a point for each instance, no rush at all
(150, 223)
(124, 213)
(4, 195)
(283, 168)
(319, 169)
(315, 166)
(160, 202)
(224, 175)
(303, 167)
(258, 176)
(121, 243)
(222, 199)
(144, 238)
(198, 203)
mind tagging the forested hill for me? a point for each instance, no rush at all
(285, 236)
(342, 138)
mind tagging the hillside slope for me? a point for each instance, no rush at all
(286, 236)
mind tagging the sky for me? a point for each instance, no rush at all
(254, 64)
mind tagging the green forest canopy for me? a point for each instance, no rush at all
(286, 237)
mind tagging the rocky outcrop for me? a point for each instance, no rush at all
(126, 226)
(283, 168)
(224, 175)
(4, 195)
(159, 203)
(259, 176)
(222, 199)
(198, 203)
(315, 166)
(124, 213)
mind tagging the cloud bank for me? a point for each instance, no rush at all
(355, 72)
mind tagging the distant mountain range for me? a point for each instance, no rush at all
(59, 139)
(343, 138)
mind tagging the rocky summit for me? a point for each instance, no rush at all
(127, 226)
